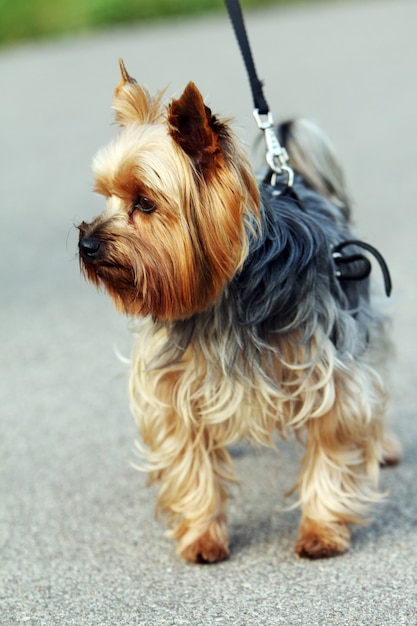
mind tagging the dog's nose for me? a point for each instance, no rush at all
(89, 247)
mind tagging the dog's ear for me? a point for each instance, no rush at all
(194, 128)
(132, 103)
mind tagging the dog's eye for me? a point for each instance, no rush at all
(142, 204)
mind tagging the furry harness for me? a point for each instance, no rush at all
(348, 265)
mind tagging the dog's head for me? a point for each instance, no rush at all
(179, 193)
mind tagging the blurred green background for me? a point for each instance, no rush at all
(22, 20)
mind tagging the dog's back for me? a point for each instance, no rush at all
(312, 155)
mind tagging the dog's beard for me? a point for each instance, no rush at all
(166, 278)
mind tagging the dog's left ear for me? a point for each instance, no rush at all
(194, 128)
(132, 103)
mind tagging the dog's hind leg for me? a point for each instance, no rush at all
(340, 468)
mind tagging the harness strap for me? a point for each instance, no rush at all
(365, 269)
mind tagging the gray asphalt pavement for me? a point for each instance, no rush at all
(79, 545)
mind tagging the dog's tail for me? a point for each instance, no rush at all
(312, 155)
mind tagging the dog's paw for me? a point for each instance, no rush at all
(392, 450)
(205, 550)
(318, 540)
(210, 547)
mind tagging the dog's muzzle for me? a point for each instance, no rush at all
(89, 248)
(89, 245)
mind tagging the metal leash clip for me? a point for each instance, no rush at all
(276, 155)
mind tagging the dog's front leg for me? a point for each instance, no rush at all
(190, 472)
(339, 474)
(194, 486)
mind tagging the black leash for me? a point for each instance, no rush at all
(236, 17)
(276, 155)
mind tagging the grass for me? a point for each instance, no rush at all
(23, 20)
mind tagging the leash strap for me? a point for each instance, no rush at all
(276, 155)
(236, 17)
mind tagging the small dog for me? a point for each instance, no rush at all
(249, 324)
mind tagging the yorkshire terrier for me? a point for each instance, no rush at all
(253, 316)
